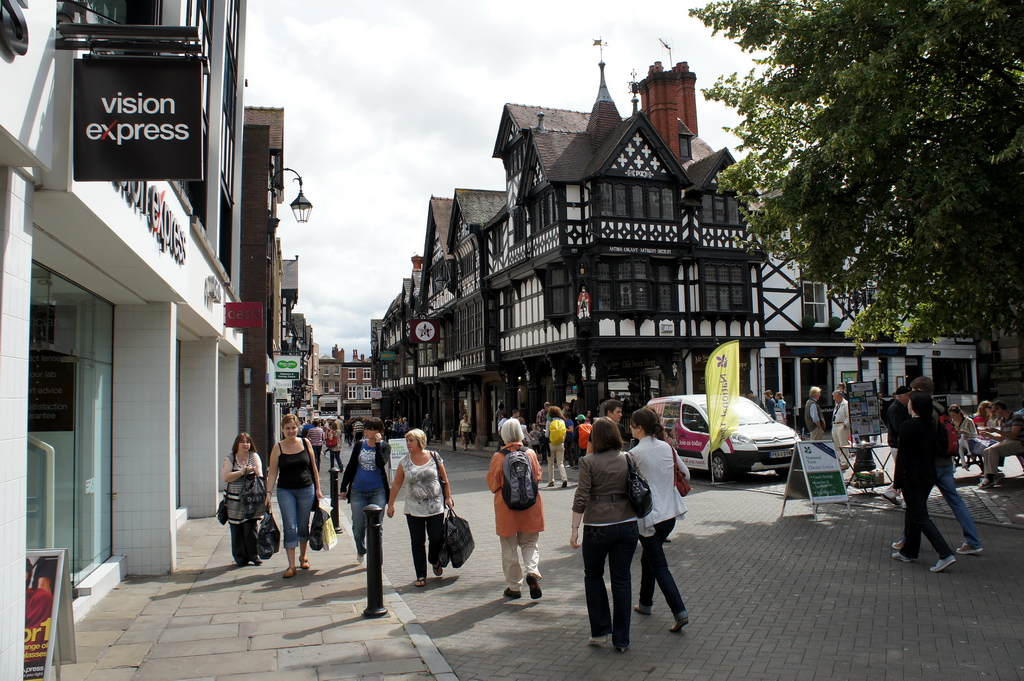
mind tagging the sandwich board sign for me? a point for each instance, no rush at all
(814, 475)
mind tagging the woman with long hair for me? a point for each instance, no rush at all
(610, 533)
(657, 463)
(915, 476)
(243, 461)
(425, 500)
(365, 480)
(984, 417)
(293, 473)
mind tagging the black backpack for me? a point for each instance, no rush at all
(519, 490)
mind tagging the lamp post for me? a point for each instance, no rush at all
(301, 207)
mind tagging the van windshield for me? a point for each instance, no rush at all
(750, 414)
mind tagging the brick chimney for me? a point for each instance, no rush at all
(668, 96)
(355, 355)
(417, 263)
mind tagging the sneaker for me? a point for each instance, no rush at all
(987, 482)
(890, 496)
(943, 563)
(900, 557)
(509, 593)
(361, 557)
(967, 549)
(898, 544)
(534, 582)
(598, 640)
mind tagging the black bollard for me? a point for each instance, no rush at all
(335, 496)
(374, 563)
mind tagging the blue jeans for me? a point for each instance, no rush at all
(947, 485)
(336, 462)
(654, 568)
(295, 505)
(617, 543)
(361, 499)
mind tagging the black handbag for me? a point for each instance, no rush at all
(268, 537)
(637, 489)
(222, 510)
(316, 528)
(458, 542)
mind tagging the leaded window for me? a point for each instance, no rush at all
(725, 286)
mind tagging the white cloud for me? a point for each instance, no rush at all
(389, 103)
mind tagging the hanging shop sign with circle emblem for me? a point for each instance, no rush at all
(425, 331)
(138, 119)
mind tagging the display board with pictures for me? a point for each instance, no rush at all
(865, 420)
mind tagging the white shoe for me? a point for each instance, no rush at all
(898, 544)
(967, 549)
(360, 558)
(598, 640)
(891, 497)
(943, 563)
(903, 559)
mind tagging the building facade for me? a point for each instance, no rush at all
(113, 347)
(611, 266)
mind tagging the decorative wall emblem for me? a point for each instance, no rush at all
(638, 159)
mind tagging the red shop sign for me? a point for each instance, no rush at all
(243, 315)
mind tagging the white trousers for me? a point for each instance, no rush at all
(841, 438)
(556, 457)
(525, 542)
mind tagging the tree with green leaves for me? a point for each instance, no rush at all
(885, 144)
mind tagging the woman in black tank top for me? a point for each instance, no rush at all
(293, 473)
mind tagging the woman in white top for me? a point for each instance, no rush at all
(656, 462)
(428, 494)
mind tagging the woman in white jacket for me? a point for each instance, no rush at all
(656, 461)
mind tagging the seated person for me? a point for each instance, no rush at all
(1009, 442)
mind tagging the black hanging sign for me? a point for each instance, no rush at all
(138, 119)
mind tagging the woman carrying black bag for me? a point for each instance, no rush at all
(235, 469)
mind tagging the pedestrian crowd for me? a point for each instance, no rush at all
(607, 524)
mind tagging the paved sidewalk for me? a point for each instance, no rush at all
(213, 621)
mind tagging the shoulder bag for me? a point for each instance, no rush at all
(637, 490)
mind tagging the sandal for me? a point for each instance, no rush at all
(420, 581)
(304, 563)
(290, 572)
(438, 570)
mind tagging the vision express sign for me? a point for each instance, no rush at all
(138, 120)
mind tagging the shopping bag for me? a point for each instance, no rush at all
(330, 536)
(316, 528)
(253, 496)
(458, 542)
(268, 537)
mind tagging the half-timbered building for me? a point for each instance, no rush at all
(613, 264)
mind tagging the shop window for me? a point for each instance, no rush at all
(952, 376)
(725, 286)
(815, 302)
(68, 476)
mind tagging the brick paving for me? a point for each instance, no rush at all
(769, 597)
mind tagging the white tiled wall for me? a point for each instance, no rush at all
(144, 434)
(200, 455)
(15, 287)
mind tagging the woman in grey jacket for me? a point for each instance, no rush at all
(610, 533)
(656, 462)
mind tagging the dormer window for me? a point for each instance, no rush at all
(685, 148)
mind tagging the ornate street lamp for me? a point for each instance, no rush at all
(301, 207)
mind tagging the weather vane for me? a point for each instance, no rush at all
(600, 44)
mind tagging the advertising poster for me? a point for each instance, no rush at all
(43, 580)
(398, 451)
(824, 479)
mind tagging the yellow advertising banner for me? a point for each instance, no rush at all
(722, 381)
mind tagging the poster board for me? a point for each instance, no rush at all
(49, 618)
(399, 450)
(865, 420)
(814, 475)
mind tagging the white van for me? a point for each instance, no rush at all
(759, 444)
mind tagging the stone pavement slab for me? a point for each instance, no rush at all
(768, 597)
(214, 621)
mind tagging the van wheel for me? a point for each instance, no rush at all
(720, 470)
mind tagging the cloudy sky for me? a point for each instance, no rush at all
(389, 103)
